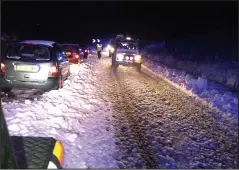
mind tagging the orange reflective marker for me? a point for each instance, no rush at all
(58, 151)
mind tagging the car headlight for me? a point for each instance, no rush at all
(112, 49)
(120, 56)
(137, 57)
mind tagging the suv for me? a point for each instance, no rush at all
(21, 152)
(127, 53)
(35, 64)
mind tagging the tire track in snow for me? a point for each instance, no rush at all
(132, 141)
(146, 152)
(183, 129)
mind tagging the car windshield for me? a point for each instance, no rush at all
(28, 52)
(128, 46)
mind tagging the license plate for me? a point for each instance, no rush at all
(27, 68)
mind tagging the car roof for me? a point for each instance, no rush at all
(39, 42)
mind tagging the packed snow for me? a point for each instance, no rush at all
(75, 115)
(126, 119)
(217, 95)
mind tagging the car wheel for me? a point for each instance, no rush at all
(138, 67)
(6, 89)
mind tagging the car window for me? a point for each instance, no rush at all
(128, 46)
(70, 47)
(28, 52)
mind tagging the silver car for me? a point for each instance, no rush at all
(35, 64)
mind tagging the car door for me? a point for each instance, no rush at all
(62, 60)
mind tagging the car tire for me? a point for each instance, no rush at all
(138, 67)
(6, 89)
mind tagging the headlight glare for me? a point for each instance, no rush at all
(112, 49)
(137, 57)
(120, 56)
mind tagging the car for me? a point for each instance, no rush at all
(6, 41)
(35, 64)
(85, 51)
(73, 52)
(27, 152)
(127, 53)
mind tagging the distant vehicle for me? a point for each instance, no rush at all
(85, 51)
(126, 53)
(21, 152)
(73, 52)
(35, 64)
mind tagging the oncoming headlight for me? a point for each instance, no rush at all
(112, 49)
(137, 57)
(120, 57)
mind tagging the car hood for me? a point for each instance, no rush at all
(128, 51)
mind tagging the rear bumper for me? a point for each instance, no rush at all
(46, 85)
(3, 82)
(74, 60)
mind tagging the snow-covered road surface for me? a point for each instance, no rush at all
(125, 119)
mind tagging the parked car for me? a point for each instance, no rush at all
(35, 64)
(73, 53)
(85, 51)
(6, 42)
(22, 152)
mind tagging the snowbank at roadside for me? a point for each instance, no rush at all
(216, 94)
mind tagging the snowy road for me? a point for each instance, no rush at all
(125, 119)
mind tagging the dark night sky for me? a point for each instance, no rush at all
(78, 20)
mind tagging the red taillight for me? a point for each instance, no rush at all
(3, 68)
(76, 55)
(53, 71)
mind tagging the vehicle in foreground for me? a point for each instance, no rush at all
(73, 53)
(35, 64)
(21, 152)
(127, 53)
